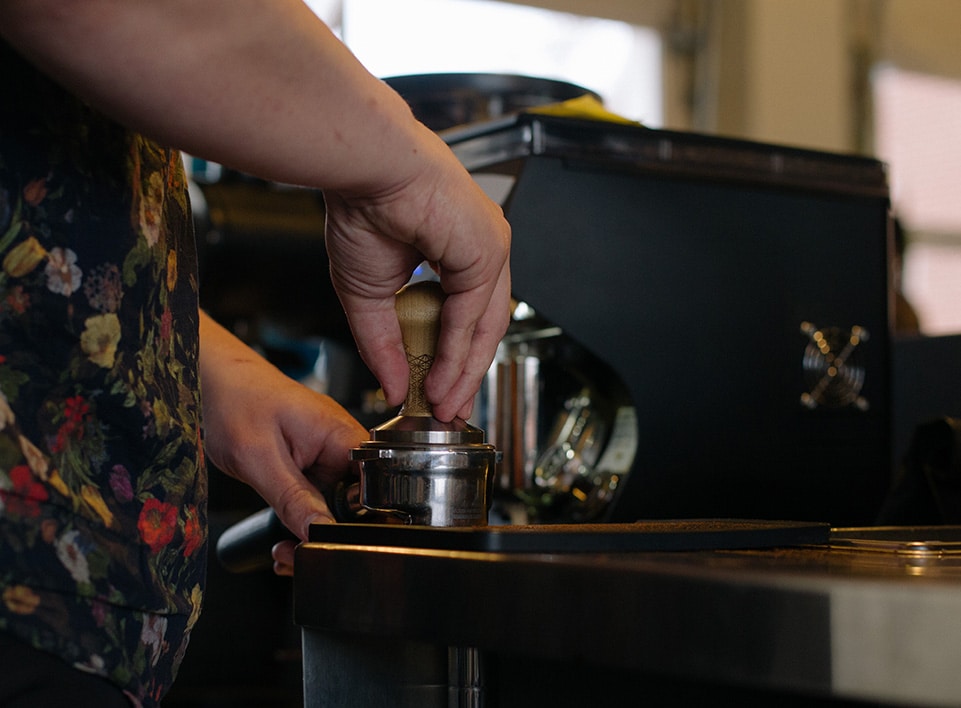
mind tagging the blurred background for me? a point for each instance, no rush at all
(875, 77)
(879, 78)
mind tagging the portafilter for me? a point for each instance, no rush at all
(414, 469)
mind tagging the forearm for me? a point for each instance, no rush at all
(261, 86)
(264, 87)
(227, 363)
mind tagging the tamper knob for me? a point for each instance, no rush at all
(418, 308)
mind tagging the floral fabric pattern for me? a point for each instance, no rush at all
(102, 485)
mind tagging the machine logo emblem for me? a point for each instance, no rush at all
(833, 373)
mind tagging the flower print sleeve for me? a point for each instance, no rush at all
(102, 488)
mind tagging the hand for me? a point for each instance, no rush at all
(265, 429)
(438, 214)
(267, 89)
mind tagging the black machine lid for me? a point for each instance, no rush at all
(501, 145)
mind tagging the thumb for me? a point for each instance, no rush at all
(298, 504)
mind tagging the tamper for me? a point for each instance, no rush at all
(416, 469)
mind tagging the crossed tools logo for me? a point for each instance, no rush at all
(833, 372)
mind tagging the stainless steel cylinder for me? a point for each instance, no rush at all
(423, 472)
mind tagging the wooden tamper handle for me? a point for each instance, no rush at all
(418, 308)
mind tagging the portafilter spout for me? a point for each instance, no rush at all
(415, 468)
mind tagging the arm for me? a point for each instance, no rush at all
(263, 428)
(263, 87)
(266, 88)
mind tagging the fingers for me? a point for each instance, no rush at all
(297, 502)
(472, 326)
(378, 337)
(283, 556)
(289, 444)
(442, 216)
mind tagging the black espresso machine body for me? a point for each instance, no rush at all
(738, 291)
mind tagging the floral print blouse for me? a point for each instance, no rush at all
(102, 485)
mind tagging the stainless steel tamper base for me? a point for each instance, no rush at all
(422, 471)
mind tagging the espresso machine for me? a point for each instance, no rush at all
(701, 325)
(699, 349)
(700, 332)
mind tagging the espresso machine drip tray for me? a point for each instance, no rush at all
(656, 535)
(943, 542)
